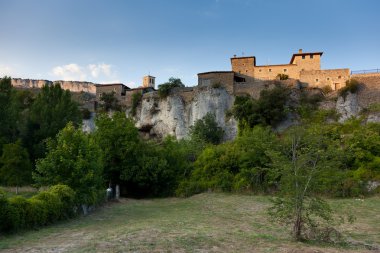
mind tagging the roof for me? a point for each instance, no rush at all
(142, 88)
(112, 84)
(300, 54)
(243, 57)
(216, 72)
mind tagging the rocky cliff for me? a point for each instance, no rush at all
(175, 114)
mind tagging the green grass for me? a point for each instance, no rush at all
(211, 222)
(26, 191)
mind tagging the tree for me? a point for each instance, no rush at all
(269, 109)
(73, 159)
(306, 154)
(164, 89)
(118, 138)
(7, 125)
(15, 166)
(51, 111)
(110, 102)
(207, 130)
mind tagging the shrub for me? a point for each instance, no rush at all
(67, 197)
(164, 89)
(283, 76)
(136, 98)
(216, 85)
(352, 86)
(6, 214)
(327, 89)
(52, 204)
(86, 114)
(56, 203)
(207, 129)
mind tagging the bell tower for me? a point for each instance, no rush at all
(149, 81)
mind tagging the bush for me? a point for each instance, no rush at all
(327, 89)
(136, 98)
(164, 89)
(56, 203)
(216, 85)
(283, 76)
(352, 86)
(207, 130)
(86, 114)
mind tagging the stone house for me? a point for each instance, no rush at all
(303, 67)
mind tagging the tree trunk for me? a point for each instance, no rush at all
(16, 189)
(297, 228)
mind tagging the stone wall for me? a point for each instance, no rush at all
(270, 72)
(369, 92)
(310, 62)
(334, 78)
(212, 79)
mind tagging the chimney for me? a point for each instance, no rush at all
(234, 55)
(300, 51)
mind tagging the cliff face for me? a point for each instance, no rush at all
(175, 114)
(73, 86)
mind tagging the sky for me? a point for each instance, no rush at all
(124, 40)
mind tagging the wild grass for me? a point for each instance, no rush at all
(210, 222)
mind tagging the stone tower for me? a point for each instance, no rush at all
(149, 81)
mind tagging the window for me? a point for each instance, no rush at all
(270, 70)
(259, 70)
(339, 77)
(303, 57)
(285, 70)
(316, 80)
(246, 71)
(311, 56)
(328, 78)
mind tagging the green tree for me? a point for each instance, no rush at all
(118, 138)
(207, 129)
(51, 111)
(164, 89)
(109, 102)
(15, 166)
(306, 154)
(73, 159)
(270, 109)
(7, 121)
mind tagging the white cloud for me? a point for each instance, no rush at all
(97, 69)
(100, 72)
(5, 70)
(70, 72)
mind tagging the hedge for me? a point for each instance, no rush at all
(54, 204)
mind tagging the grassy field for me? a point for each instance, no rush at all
(209, 222)
(25, 191)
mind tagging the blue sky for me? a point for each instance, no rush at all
(121, 41)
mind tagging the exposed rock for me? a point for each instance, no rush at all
(348, 106)
(175, 114)
(88, 125)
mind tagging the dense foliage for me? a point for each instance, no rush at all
(352, 86)
(164, 89)
(269, 109)
(75, 160)
(109, 101)
(207, 130)
(56, 203)
(15, 166)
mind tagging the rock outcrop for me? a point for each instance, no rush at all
(175, 114)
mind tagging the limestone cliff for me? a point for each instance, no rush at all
(175, 114)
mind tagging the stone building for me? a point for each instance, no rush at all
(303, 67)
